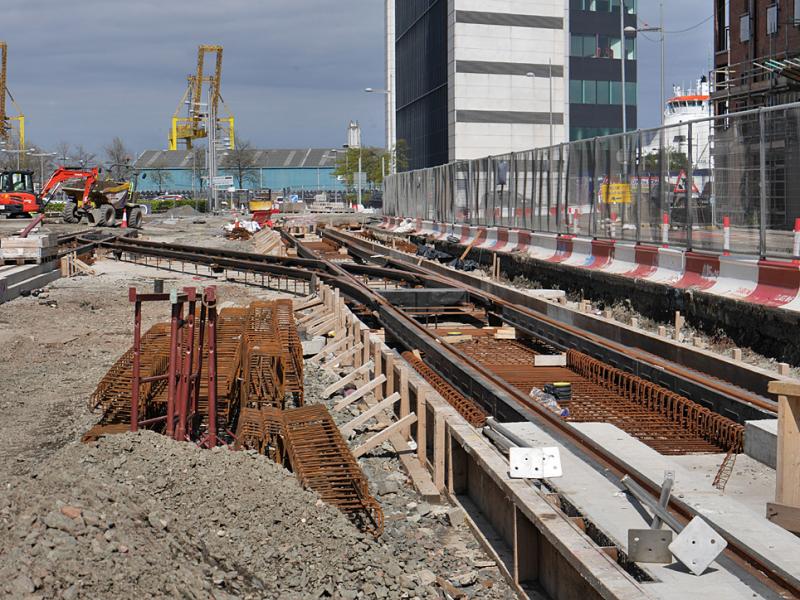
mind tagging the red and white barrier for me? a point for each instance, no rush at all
(665, 230)
(769, 283)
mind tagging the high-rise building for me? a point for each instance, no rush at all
(484, 77)
(757, 54)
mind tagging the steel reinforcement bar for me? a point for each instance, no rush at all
(498, 397)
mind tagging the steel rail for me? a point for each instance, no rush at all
(506, 402)
(503, 401)
(520, 315)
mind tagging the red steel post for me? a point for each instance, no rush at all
(186, 368)
(200, 345)
(211, 301)
(137, 354)
(173, 359)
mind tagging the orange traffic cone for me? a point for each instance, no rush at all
(236, 222)
(124, 219)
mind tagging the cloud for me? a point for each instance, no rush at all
(293, 72)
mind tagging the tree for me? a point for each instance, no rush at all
(161, 177)
(118, 159)
(677, 161)
(62, 151)
(401, 155)
(82, 157)
(373, 162)
(240, 162)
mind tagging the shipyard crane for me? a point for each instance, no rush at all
(5, 120)
(194, 126)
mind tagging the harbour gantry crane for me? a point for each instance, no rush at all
(5, 120)
(194, 126)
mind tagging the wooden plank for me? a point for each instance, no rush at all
(787, 517)
(377, 359)
(369, 413)
(329, 349)
(422, 418)
(360, 393)
(379, 438)
(322, 314)
(323, 327)
(367, 344)
(335, 387)
(82, 266)
(438, 450)
(318, 311)
(785, 388)
(339, 358)
(787, 473)
(405, 397)
(389, 374)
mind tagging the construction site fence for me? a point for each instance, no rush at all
(728, 184)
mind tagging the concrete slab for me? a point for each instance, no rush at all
(751, 483)
(613, 512)
(14, 291)
(773, 544)
(761, 441)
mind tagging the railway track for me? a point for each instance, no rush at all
(496, 395)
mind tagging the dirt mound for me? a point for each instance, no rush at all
(181, 211)
(139, 515)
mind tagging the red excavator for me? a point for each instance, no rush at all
(101, 202)
(17, 197)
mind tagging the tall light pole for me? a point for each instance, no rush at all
(391, 142)
(632, 31)
(622, 61)
(41, 156)
(19, 153)
(532, 76)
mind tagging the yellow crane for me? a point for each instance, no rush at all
(5, 120)
(193, 126)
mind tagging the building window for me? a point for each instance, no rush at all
(630, 49)
(603, 5)
(590, 92)
(772, 19)
(603, 92)
(744, 28)
(576, 91)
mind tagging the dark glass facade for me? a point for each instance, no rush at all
(595, 71)
(421, 80)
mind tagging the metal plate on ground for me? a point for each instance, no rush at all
(650, 545)
(697, 546)
(534, 463)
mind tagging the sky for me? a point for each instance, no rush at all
(294, 71)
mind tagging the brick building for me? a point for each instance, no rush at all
(757, 64)
(757, 53)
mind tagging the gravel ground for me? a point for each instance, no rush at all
(55, 347)
(427, 539)
(138, 515)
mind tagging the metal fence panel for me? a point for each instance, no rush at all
(724, 184)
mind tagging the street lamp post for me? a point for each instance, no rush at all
(19, 153)
(41, 156)
(391, 142)
(632, 31)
